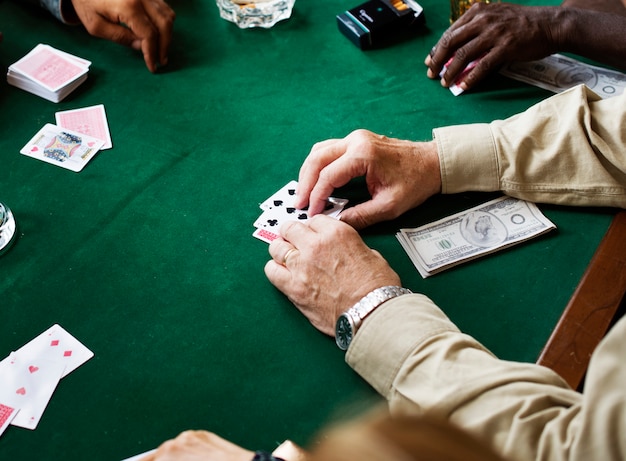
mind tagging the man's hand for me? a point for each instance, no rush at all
(199, 446)
(144, 25)
(399, 175)
(495, 33)
(324, 268)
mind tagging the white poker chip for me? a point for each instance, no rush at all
(7, 228)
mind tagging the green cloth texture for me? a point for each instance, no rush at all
(147, 255)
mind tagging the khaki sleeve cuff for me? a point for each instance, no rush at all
(390, 334)
(468, 158)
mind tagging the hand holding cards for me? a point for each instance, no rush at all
(279, 208)
(49, 73)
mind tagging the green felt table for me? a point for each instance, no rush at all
(146, 256)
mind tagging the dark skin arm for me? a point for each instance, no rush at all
(144, 25)
(504, 32)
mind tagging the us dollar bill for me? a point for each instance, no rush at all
(558, 73)
(467, 235)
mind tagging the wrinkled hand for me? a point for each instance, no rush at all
(199, 446)
(500, 33)
(399, 175)
(329, 269)
(144, 25)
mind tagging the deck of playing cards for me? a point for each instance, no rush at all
(279, 208)
(49, 73)
(30, 375)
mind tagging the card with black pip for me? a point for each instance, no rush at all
(279, 208)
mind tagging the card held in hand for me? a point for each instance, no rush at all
(279, 208)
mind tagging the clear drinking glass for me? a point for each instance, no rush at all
(458, 7)
(7, 228)
(255, 13)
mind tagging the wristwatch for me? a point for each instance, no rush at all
(350, 321)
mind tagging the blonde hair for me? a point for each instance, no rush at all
(400, 438)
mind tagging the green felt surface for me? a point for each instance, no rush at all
(146, 256)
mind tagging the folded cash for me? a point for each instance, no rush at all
(558, 73)
(467, 235)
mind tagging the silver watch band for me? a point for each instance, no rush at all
(372, 300)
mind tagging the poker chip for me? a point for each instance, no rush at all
(7, 228)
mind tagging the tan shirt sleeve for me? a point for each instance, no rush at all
(411, 353)
(568, 149)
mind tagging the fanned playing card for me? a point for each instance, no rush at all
(58, 345)
(62, 147)
(30, 375)
(279, 208)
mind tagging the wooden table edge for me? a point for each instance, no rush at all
(598, 299)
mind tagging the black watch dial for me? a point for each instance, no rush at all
(343, 332)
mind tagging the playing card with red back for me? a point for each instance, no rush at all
(50, 68)
(91, 121)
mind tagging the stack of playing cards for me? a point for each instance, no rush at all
(454, 88)
(48, 72)
(279, 208)
(79, 135)
(30, 375)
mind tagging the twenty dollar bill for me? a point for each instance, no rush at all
(476, 232)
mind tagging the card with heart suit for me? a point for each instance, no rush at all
(91, 121)
(62, 147)
(279, 208)
(33, 371)
(56, 344)
(28, 384)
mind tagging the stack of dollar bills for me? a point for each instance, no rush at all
(558, 73)
(467, 235)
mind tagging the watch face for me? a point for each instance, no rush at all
(343, 332)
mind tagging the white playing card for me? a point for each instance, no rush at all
(91, 121)
(55, 344)
(140, 456)
(287, 193)
(278, 208)
(29, 385)
(62, 147)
